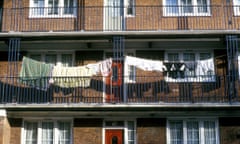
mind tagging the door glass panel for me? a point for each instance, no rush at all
(114, 140)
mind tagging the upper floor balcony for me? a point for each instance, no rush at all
(156, 18)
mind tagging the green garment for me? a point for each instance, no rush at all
(35, 73)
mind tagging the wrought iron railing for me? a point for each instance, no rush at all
(140, 18)
(145, 89)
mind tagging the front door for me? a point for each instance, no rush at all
(114, 136)
(113, 15)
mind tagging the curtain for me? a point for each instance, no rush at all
(176, 132)
(30, 132)
(209, 132)
(192, 132)
(64, 132)
(47, 133)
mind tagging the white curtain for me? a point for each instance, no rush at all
(30, 132)
(176, 132)
(64, 132)
(47, 133)
(192, 132)
(209, 132)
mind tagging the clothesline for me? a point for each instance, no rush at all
(40, 75)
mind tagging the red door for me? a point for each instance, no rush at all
(113, 136)
(114, 83)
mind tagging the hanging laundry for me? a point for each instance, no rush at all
(35, 73)
(102, 67)
(144, 64)
(72, 76)
(205, 67)
(174, 69)
(105, 67)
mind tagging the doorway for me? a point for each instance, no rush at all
(113, 136)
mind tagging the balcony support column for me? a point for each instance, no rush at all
(118, 66)
(232, 57)
(13, 56)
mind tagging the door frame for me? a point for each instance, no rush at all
(118, 130)
(124, 128)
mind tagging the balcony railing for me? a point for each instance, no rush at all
(145, 89)
(140, 18)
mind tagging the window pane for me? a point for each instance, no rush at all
(130, 7)
(204, 56)
(202, 6)
(209, 132)
(47, 133)
(114, 123)
(36, 57)
(66, 60)
(68, 6)
(131, 130)
(53, 6)
(64, 132)
(187, 6)
(51, 58)
(189, 60)
(30, 129)
(188, 57)
(173, 57)
(176, 132)
(172, 6)
(192, 133)
(38, 7)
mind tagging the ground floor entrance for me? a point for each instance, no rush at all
(113, 136)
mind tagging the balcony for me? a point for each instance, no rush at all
(101, 19)
(145, 90)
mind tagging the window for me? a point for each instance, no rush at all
(130, 7)
(236, 7)
(186, 7)
(189, 66)
(131, 132)
(47, 132)
(54, 58)
(52, 8)
(192, 131)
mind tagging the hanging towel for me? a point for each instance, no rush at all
(145, 64)
(35, 73)
(205, 67)
(102, 67)
(72, 76)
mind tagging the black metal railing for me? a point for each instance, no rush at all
(108, 18)
(145, 89)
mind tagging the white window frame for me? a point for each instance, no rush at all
(197, 58)
(45, 14)
(179, 12)
(124, 128)
(58, 55)
(39, 122)
(201, 128)
(236, 7)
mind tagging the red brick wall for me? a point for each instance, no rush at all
(15, 131)
(229, 130)
(87, 131)
(151, 131)
(145, 18)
